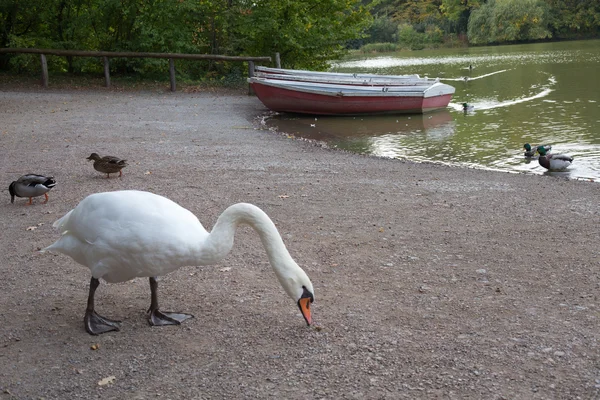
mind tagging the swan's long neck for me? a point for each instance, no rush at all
(220, 240)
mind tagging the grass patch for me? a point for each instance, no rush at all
(119, 83)
(378, 48)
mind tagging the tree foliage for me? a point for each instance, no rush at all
(384, 29)
(306, 33)
(455, 9)
(501, 21)
(458, 12)
(549, 18)
(573, 18)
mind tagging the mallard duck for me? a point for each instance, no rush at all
(31, 185)
(468, 107)
(107, 164)
(531, 150)
(553, 162)
(127, 234)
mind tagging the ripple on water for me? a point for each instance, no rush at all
(519, 94)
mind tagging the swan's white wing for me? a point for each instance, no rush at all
(127, 234)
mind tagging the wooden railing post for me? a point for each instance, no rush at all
(106, 72)
(277, 60)
(172, 73)
(111, 54)
(44, 70)
(250, 75)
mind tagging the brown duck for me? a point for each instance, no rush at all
(108, 164)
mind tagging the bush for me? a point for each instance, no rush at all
(379, 48)
(456, 40)
(434, 35)
(383, 30)
(510, 21)
(409, 38)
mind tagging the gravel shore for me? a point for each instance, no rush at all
(430, 281)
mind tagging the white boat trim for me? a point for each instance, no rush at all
(301, 72)
(325, 89)
(374, 81)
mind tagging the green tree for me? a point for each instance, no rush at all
(454, 9)
(409, 38)
(481, 24)
(574, 18)
(501, 21)
(384, 29)
(306, 33)
(418, 12)
(458, 12)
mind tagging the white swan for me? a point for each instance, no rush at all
(127, 234)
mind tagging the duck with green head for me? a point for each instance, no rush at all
(531, 150)
(31, 185)
(554, 162)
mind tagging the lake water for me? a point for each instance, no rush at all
(547, 93)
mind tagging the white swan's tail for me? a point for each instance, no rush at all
(59, 225)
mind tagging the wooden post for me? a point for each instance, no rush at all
(106, 72)
(44, 70)
(172, 74)
(250, 75)
(277, 60)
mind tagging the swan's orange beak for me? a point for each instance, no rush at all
(304, 305)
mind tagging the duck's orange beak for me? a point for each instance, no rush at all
(304, 305)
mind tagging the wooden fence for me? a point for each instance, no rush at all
(106, 55)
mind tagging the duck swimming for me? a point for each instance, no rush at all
(127, 234)
(554, 162)
(531, 150)
(107, 164)
(31, 185)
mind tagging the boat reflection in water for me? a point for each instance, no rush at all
(384, 135)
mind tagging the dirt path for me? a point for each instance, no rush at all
(430, 282)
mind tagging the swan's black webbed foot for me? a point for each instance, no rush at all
(96, 324)
(162, 318)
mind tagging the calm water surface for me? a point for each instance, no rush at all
(537, 93)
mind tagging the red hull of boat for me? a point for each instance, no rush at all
(285, 100)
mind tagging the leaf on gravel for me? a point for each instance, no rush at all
(31, 228)
(225, 269)
(95, 346)
(147, 173)
(107, 380)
